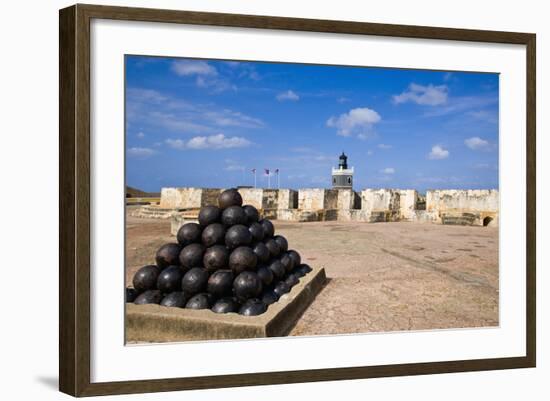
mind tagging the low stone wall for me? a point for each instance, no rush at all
(473, 207)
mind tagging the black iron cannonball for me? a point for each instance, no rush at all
(220, 283)
(131, 294)
(295, 257)
(251, 213)
(257, 231)
(269, 297)
(291, 280)
(191, 256)
(233, 215)
(194, 281)
(273, 247)
(247, 285)
(241, 259)
(216, 257)
(281, 288)
(253, 307)
(265, 274)
(261, 252)
(230, 197)
(269, 229)
(168, 255)
(169, 280)
(287, 262)
(189, 233)
(209, 214)
(176, 299)
(148, 297)
(213, 234)
(200, 301)
(237, 235)
(146, 278)
(277, 268)
(282, 242)
(226, 305)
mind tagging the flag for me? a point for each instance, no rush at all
(276, 171)
(266, 171)
(253, 170)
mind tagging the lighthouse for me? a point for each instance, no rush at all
(342, 177)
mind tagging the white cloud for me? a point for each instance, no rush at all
(384, 146)
(370, 153)
(140, 135)
(141, 153)
(424, 95)
(438, 153)
(357, 121)
(388, 170)
(484, 115)
(193, 67)
(219, 141)
(288, 95)
(343, 99)
(234, 167)
(476, 143)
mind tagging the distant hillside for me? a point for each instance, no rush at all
(138, 193)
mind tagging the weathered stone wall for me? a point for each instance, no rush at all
(464, 200)
(317, 199)
(181, 198)
(252, 196)
(407, 203)
(348, 199)
(288, 199)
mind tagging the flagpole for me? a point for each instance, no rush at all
(254, 178)
(268, 180)
(278, 179)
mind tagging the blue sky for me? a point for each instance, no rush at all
(209, 123)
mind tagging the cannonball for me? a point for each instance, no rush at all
(237, 235)
(209, 214)
(194, 281)
(261, 252)
(281, 288)
(213, 234)
(267, 225)
(131, 294)
(233, 215)
(216, 257)
(191, 255)
(168, 255)
(230, 197)
(299, 273)
(277, 268)
(241, 259)
(189, 233)
(220, 283)
(169, 280)
(265, 274)
(176, 299)
(295, 257)
(269, 297)
(282, 242)
(291, 280)
(272, 247)
(287, 262)
(146, 278)
(247, 285)
(257, 231)
(253, 307)
(226, 305)
(148, 297)
(304, 269)
(199, 301)
(251, 213)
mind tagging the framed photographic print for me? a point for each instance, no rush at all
(279, 200)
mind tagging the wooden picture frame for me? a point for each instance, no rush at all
(74, 203)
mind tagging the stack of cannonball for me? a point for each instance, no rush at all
(231, 261)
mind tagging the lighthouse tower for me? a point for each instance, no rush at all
(342, 177)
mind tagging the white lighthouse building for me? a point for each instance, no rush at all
(342, 177)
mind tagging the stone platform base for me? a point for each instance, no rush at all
(155, 323)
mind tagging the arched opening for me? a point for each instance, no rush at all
(486, 221)
(349, 180)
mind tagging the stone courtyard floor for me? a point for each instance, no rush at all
(381, 276)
